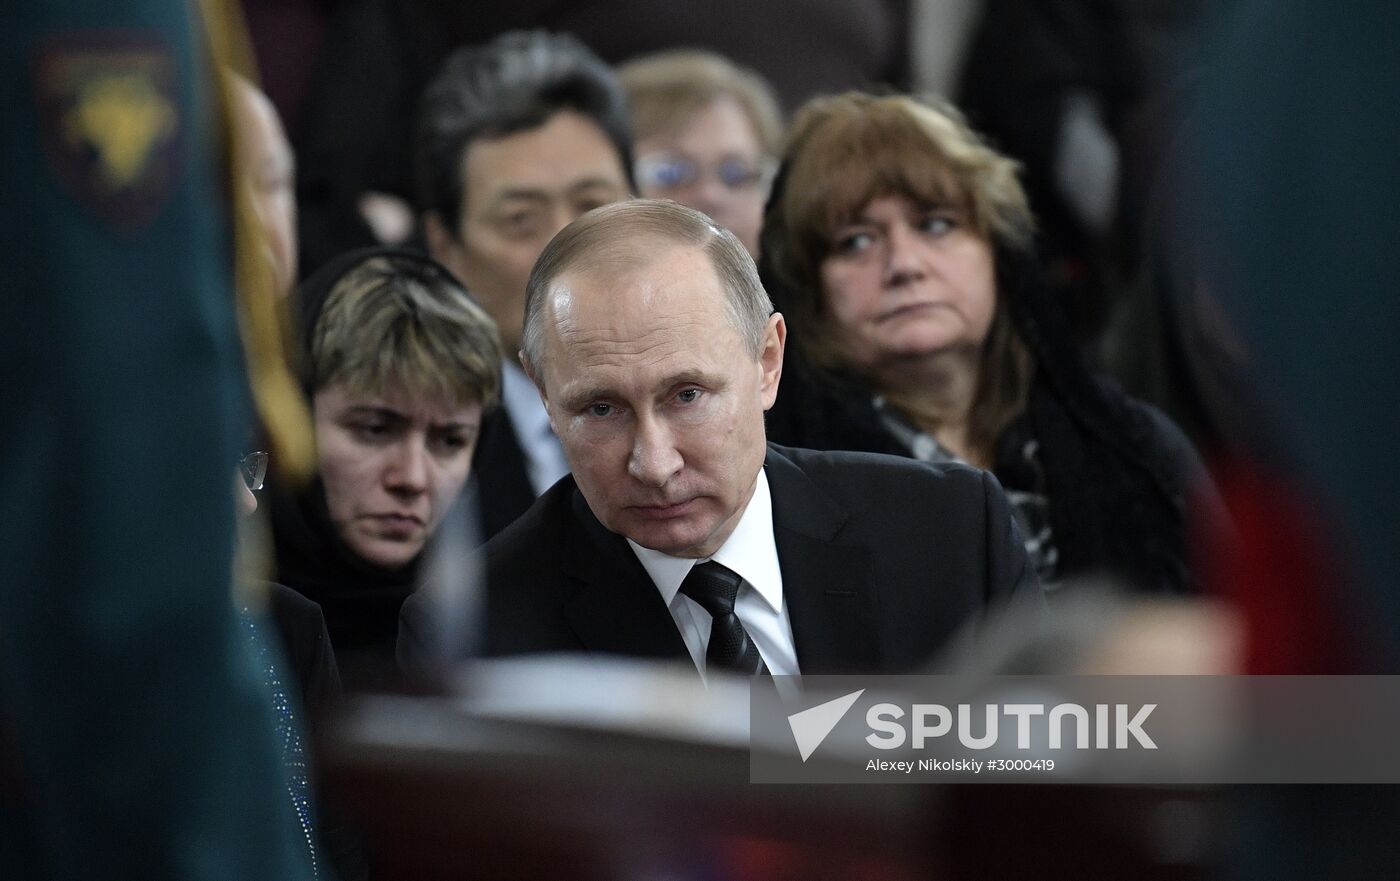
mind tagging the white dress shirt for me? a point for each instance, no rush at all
(751, 552)
(544, 455)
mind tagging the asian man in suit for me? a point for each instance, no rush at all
(681, 532)
(516, 138)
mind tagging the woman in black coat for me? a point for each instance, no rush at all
(899, 247)
(400, 364)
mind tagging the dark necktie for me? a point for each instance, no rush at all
(714, 587)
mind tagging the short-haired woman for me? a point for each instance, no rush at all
(400, 364)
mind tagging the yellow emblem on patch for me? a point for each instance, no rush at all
(123, 118)
(111, 119)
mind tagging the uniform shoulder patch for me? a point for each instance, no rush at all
(111, 122)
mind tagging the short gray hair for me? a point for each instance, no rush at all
(610, 236)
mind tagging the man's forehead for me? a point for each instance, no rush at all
(540, 185)
(566, 152)
(620, 296)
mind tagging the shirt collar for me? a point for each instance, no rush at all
(750, 551)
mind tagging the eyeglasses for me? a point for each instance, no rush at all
(672, 171)
(253, 467)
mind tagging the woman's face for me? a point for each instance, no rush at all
(392, 465)
(906, 281)
(713, 163)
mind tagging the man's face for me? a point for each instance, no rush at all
(518, 191)
(656, 399)
(270, 177)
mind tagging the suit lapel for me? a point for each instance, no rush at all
(832, 606)
(831, 603)
(502, 474)
(616, 608)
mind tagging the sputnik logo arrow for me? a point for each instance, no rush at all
(810, 727)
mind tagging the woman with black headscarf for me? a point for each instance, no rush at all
(399, 364)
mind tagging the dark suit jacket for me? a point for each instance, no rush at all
(306, 645)
(503, 489)
(883, 558)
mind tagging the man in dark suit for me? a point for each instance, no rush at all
(515, 139)
(681, 531)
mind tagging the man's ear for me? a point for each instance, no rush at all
(440, 241)
(530, 372)
(536, 375)
(770, 357)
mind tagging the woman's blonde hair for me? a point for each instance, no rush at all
(395, 323)
(665, 89)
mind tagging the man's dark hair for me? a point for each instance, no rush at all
(514, 83)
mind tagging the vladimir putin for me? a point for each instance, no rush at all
(681, 532)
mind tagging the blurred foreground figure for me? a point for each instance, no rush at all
(1298, 110)
(1317, 309)
(135, 738)
(269, 173)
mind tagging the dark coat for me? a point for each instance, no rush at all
(306, 645)
(360, 600)
(503, 490)
(868, 586)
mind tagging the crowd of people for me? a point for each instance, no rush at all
(751, 391)
(888, 294)
(774, 398)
